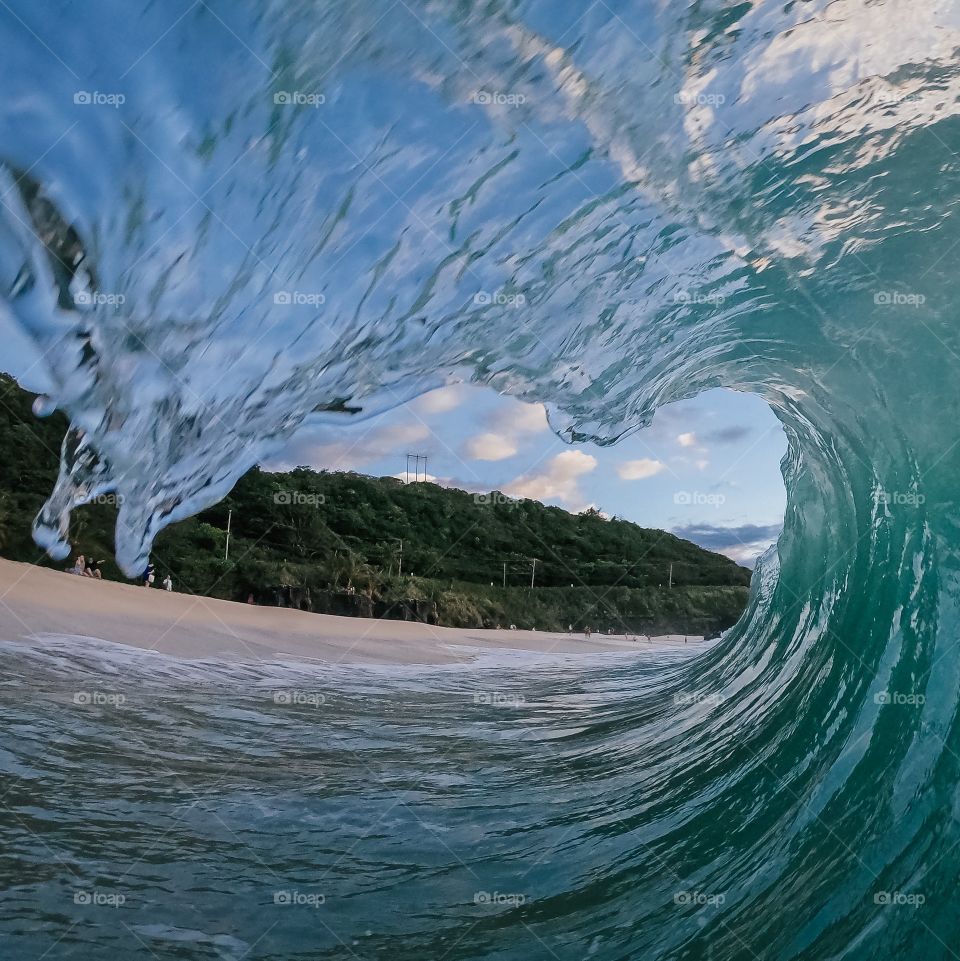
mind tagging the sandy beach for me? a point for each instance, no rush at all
(36, 601)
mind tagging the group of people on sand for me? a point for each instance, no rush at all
(627, 635)
(91, 568)
(150, 575)
(86, 568)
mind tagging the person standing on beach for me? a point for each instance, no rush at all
(148, 576)
(168, 583)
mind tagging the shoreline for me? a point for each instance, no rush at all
(37, 601)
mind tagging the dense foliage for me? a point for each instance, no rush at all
(354, 544)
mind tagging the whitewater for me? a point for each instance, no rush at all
(223, 222)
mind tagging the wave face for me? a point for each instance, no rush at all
(304, 211)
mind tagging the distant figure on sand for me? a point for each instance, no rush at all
(148, 576)
(93, 569)
(79, 565)
(167, 583)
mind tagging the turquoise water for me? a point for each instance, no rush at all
(241, 218)
(161, 808)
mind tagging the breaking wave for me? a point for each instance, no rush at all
(222, 222)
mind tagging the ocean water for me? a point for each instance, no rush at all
(222, 221)
(156, 807)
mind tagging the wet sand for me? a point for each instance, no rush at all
(36, 601)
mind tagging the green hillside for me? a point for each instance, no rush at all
(352, 544)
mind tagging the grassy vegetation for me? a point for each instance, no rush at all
(336, 542)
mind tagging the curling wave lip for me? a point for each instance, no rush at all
(651, 200)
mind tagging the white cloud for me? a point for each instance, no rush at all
(745, 556)
(687, 440)
(558, 481)
(525, 418)
(507, 426)
(639, 469)
(430, 478)
(390, 435)
(491, 447)
(442, 400)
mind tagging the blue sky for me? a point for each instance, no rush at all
(707, 469)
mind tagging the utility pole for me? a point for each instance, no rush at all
(226, 547)
(504, 574)
(400, 556)
(533, 573)
(670, 582)
(416, 467)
